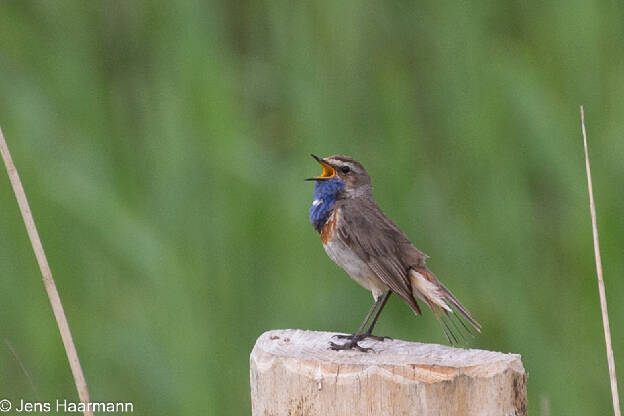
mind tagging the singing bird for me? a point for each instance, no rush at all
(362, 240)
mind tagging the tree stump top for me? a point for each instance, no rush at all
(430, 362)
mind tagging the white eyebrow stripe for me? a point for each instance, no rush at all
(317, 202)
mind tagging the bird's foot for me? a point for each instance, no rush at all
(376, 337)
(361, 336)
(349, 345)
(353, 341)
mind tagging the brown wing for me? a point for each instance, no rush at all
(381, 245)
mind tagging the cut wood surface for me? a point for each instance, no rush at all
(294, 373)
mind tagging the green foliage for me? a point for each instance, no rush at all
(163, 145)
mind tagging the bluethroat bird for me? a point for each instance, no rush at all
(362, 240)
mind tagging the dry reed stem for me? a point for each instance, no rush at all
(601, 286)
(48, 280)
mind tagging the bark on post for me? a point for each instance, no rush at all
(293, 373)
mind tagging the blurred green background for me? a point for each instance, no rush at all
(163, 147)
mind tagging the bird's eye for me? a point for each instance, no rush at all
(345, 169)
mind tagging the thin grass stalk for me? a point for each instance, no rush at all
(24, 369)
(46, 273)
(601, 286)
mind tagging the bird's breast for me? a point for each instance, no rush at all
(328, 230)
(345, 257)
(339, 252)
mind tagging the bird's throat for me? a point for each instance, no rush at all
(325, 194)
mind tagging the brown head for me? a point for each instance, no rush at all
(350, 171)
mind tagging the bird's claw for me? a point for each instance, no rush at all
(376, 337)
(361, 336)
(343, 336)
(353, 341)
(348, 346)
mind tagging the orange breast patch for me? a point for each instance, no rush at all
(328, 229)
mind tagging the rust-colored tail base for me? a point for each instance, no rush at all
(452, 315)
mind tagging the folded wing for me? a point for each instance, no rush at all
(382, 246)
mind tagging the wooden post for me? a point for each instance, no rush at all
(293, 373)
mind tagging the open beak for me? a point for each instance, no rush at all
(328, 171)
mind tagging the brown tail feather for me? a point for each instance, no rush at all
(444, 305)
(457, 306)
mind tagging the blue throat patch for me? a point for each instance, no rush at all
(325, 192)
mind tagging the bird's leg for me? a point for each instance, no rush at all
(354, 338)
(369, 331)
(360, 334)
(366, 319)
